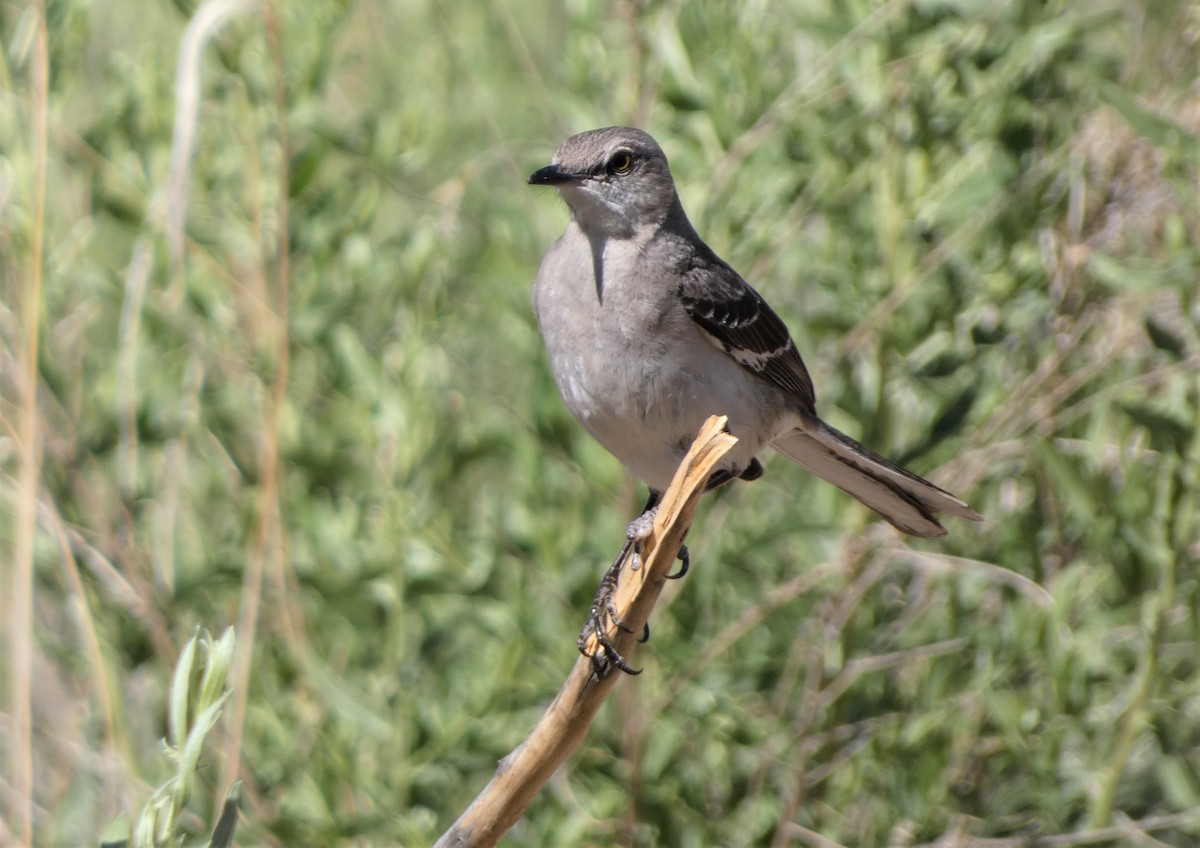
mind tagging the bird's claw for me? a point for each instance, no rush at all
(604, 610)
(607, 656)
(685, 563)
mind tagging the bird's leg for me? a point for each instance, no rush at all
(604, 604)
(639, 529)
(604, 608)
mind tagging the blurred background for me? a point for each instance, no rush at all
(287, 380)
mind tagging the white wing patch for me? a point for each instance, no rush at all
(755, 360)
(758, 360)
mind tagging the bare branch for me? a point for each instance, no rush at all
(523, 772)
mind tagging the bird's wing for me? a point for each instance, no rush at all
(739, 321)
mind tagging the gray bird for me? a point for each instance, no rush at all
(649, 332)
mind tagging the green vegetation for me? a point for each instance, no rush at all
(330, 423)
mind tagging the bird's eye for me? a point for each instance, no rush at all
(621, 162)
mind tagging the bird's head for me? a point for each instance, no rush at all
(616, 181)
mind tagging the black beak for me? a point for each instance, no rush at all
(551, 175)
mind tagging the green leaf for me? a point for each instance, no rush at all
(190, 754)
(1075, 492)
(216, 667)
(1179, 783)
(1129, 275)
(177, 715)
(1167, 432)
(1155, 128)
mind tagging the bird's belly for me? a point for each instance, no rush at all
(647, 410)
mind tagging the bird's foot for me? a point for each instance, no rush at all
(604, 610)
(639, 530)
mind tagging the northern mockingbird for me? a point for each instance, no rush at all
(649, 332)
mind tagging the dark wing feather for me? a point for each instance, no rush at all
(738, 320)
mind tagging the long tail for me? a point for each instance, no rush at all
(907, 501)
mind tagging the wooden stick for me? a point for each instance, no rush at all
(523, 772)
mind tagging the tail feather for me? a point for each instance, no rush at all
(907, 501)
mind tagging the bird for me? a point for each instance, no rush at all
(649, 333)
